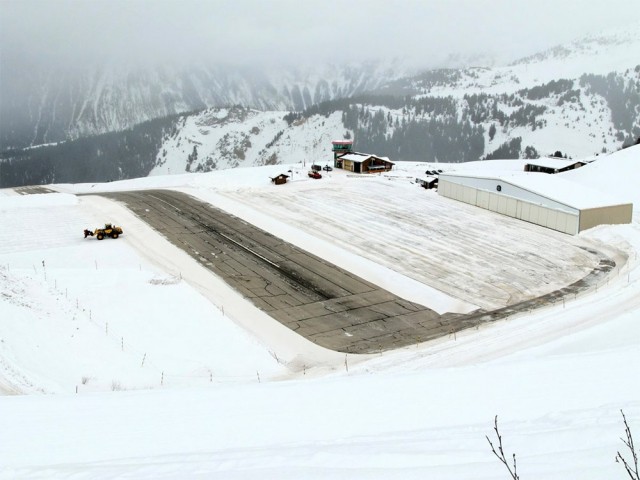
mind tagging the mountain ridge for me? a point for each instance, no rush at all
(52, 107)
(446, 115)
(42, 107)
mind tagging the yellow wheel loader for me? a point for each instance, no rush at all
(108, 231)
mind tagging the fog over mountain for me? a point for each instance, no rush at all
(70, 70)
(71, 33)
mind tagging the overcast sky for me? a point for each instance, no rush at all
(257, 31)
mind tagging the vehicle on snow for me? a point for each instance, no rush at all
(109, 230)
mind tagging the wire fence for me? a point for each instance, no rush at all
(160, 375)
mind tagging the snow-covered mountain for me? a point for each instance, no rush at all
(41, 107)
(600, 54)
(44, 107)
(582, 99)
(222, 138)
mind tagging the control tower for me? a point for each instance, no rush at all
(340, 147)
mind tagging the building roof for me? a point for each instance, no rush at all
(556, 163)
(553, 187)
(361, 157)
(427, 179)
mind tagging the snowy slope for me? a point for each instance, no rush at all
(602, 174)
(218, 139)
(178, 377)
(599, 53)
(519, 101)
(49, 106)
(45, 106)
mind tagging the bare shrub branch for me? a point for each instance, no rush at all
(500, 452)
(632, 466)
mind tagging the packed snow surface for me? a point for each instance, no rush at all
(127, 359)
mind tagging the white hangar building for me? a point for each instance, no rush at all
(546, 200)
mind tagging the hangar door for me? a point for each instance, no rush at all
(559, 220)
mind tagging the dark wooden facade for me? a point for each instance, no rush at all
(552, 166)
(428, 182)
(280, 179)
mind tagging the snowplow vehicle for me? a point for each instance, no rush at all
(108, 231)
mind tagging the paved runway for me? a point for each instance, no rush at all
(311, 296)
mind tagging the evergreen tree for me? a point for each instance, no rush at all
(492, 131)
(507, 150)
(530, 152)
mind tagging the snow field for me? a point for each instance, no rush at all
(556, 377)
(95, 315)
(472, 255)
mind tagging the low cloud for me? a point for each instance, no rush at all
(255, 32)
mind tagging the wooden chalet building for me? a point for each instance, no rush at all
(280, 179)
(345, 158)
(363, 163)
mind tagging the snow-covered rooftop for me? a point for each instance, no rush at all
(553, 187)
(361, 157)
(557, 163)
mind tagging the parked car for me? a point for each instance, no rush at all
(327, 168)
(314, 174)
(316, 168)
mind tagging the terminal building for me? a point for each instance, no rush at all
(546, 200)
(345, 158)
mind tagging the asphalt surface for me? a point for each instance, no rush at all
(311, 296)
(33, 190)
